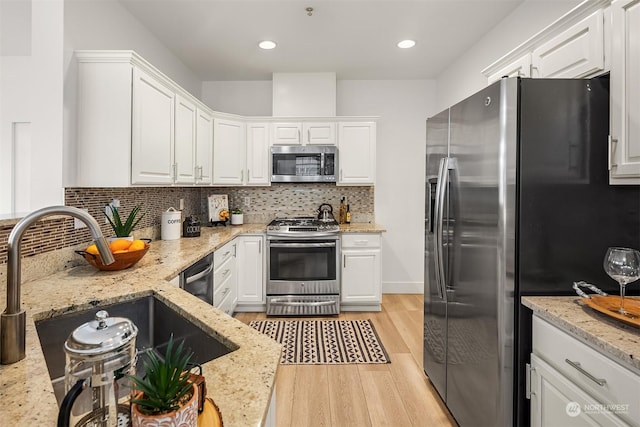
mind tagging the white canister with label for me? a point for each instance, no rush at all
(171, 224)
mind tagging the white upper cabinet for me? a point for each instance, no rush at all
(320, 133)
(356, 153)
(152, 133)
(228, 152)
(185, 141)
(573, 46)
(521, 67)
(624, 149)
(257, 154)
(204, 146)
(576, 52)
(302, 133)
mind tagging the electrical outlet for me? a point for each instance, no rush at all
(107, 211)
(181, 204)
(247, 201)
(77, 224)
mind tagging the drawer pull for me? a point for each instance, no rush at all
(227, 271)
(600, 381)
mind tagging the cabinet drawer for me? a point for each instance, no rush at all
(222, 273)
(225, 300)
(360, 240)
(603, 378)
(223, 254)
(223, 289)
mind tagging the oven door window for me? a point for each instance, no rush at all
(302, 261)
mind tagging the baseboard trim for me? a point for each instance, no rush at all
(402, 287)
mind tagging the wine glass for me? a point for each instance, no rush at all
(623, 266)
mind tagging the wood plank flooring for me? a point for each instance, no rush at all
(397, 394)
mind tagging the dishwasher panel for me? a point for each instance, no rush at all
(198, 279)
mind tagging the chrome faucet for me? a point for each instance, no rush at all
(13, 320)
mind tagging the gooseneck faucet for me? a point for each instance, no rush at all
(13, 320)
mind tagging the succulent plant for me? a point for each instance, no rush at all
(166, 384)
(123, 229)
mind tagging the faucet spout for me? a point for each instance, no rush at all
(13, 319)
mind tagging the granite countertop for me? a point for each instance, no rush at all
(241, 382)
(361, 227)
(617, 340)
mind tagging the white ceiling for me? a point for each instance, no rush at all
(217, 39)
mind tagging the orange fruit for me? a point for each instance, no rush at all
(121, 252)
(120, 245)
(93, 249)
(136, 245)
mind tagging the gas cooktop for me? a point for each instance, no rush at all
(300, 225)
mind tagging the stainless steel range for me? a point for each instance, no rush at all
(303, 261)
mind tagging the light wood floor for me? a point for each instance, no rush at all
(396, 394)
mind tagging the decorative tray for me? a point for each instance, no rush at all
(210, 416)
(610, 304)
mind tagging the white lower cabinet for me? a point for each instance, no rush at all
(572, 384)
(225, 278)
(251, 290)
(361, 272)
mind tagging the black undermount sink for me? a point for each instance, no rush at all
(155, 320)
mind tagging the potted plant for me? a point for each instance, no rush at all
(237, 218)
(166, 396)
(123, 230)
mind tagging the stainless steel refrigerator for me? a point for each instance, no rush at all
(517, 203)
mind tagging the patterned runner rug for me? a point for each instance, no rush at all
(320, 342)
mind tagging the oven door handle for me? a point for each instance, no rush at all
(303, 245)
(301, 304)
(199, 276)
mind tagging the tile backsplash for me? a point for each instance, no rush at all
(259, 204)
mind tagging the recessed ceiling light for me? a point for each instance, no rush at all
(267, 44)
(406, 44)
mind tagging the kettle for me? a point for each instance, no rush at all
(99, 354)
(325, 212)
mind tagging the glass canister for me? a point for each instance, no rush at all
(99, 354)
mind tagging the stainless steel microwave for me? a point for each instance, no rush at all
(304, 163)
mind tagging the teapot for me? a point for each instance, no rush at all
(99, 354)
(325, 212)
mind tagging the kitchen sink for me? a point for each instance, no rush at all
(155, 320)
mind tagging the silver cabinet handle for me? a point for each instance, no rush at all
(242, 175)
(224, 273)
(175, 170)
(309, 135)
(260, 246)
(344, 261)
(612, 148)
(600, 381)
(299, 139)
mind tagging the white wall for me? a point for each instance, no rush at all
(403, 107)
(246, 98)
(31, 84)
(464, 77)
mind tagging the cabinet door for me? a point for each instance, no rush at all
(257, 154)
(250, 271)
(357, 153)
(204, 146)
(556, 401)
(624, 150)
(286, 133)
(518, 68)
(577, 52)
(152, 131)
(185, 141)
(228, 152)
(319, 133)
(361, 276)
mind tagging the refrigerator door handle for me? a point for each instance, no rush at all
(438, 228)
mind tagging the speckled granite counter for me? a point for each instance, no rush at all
(241, 382)
(617, 340)
(361, 227)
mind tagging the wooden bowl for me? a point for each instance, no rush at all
(122, 260)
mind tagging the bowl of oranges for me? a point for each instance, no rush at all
(125, 252)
